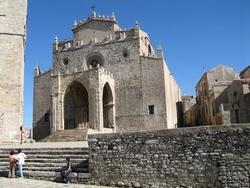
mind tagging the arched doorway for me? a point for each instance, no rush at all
(108, 105)
(76, 107)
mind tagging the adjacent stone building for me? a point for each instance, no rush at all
(238, 101)
(188, 111)
(245, 73)
(12, 43)
(209, 88)
(222, 98)
(105, 79)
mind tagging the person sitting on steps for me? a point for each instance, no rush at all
(66, 171)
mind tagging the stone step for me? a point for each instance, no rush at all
(53, 176)
(59, 139)
(67, 136)
(50, 149)
(33, 164)
(45, 145)
(51, 169)
(46, 160)
(76, 160)
(45, 156)
(52, 152)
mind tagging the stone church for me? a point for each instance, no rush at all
(104, 79)
(13, 15)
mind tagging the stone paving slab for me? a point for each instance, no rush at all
(48, 145)
(30, 183)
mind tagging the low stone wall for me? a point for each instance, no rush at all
(215, 156)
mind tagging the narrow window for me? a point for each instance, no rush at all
(125, 53)
(235, 94)
(149, 50)
(151, 109)
(46, 117)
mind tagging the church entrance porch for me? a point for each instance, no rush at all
(82, 103)
(76, 107)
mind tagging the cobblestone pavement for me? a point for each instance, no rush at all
(30, 183)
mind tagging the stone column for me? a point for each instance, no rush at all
(57, 104)
(95, 99)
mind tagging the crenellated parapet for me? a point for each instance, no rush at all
(76, 24)
(73, 44)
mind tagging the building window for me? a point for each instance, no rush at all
(46, 117)
(94, 63)
(65, 61)
(235, 94)
(151, 109)
(95, 60)
(125, 53)
(149, 50)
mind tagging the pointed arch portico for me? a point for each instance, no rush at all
(83, 101)
(76, 107)
(108, 106)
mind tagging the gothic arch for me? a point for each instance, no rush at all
(95, 60)
(108, 106)
(76, 106)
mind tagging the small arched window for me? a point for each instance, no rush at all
(125, 53)
(65, 61)
(95, 60)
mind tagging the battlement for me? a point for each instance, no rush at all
(94, 17)
(98, 30)
(104, 71)
(110, 38)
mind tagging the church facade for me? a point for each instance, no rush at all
(105, 79)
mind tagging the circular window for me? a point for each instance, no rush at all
(125, 53)
(94, 63)
(95, 60)
(65, 61)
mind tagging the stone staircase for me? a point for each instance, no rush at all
(46, 163)
(67, 136)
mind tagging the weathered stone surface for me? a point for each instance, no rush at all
(105, 79)
(215, 156)
(12, 43)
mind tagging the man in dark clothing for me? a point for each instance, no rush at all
(66, 171)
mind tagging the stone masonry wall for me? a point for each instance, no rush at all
(12, 43)
(41, 108)
(215, 156)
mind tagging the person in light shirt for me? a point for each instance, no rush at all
(20, 157)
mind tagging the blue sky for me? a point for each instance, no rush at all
(194, 34)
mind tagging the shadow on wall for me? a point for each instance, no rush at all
(179, 109)
(42, 127)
